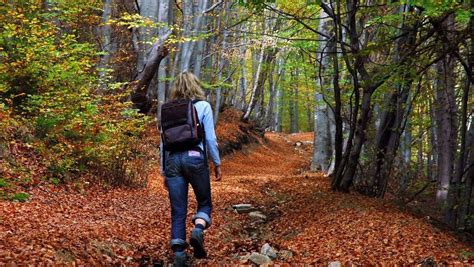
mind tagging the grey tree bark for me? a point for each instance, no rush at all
(446, 117)
(201, 43)
(433, 170)
(109, 45)
(148, 9)
(252, 101)
(294, 105)
(157, 53)
(393, 118)
(270, 115)
(280, 98)
(199, 58)
(322, 139)
(222, 62)
(243, 70)
(309, 112)
(164, 18)
(185, 53)
(465, 166)
(264, 63)
(465, 205)
(191, 29)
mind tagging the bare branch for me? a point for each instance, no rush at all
(212, 7)
(157, 53)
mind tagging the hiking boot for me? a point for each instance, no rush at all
(197, 241)
(180, 260)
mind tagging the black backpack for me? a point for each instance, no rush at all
(180, 126)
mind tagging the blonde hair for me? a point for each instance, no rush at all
(187, 86)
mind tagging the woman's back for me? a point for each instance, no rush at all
(188, 165)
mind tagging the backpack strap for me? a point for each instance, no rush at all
(163, 151)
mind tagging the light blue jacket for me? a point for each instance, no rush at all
(204, 112)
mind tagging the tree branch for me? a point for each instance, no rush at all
(212, 7)
(157, 53)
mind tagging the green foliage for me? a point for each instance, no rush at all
(49, 84)
(466, 255)
(3, 183)
(21, 197)
(44, 125)
(257, 5)
(60, 168)
(55, 181)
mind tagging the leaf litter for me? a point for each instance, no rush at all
(61, 224)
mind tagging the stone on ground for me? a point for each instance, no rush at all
(243, 208)
(269, 251)
(258, 215)
(334, 264)
(259, 259)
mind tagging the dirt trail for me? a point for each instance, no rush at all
(303, 216)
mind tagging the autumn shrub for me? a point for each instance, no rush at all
(49, 86)
(97, 137)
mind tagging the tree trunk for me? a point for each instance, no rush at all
(359, 139)
(185, 51)
(391, 124)
(336, 126)
(222, 63)
(273, 85)
(163, 17)
(263, 68)
(109, 44)
(466, 162)
(355, 68)
(445, 120)
(243, 72)
(434, 144)
(406, 153)
(309, 113)
(295, 118)
(266, 57)
(322, 150)
(148, 9)
(291, 108)
(468, 173)
(280, 101)
(252, 101)
(157, 53)
(322, 140)
(191, 29)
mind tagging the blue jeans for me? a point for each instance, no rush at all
(181, 169)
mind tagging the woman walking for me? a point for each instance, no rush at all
(188, 165)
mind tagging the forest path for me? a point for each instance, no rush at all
(305, 217)
(65, 224)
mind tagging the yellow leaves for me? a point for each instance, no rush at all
(3, 89)
(10, 30)
(132, 21)
(295, 7)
